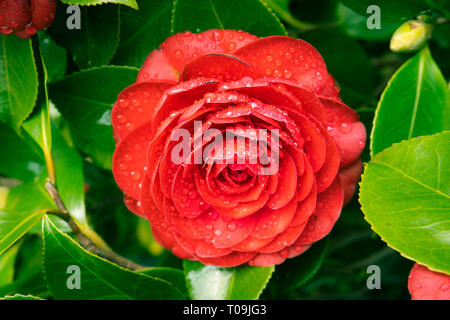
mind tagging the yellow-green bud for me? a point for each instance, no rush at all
(410, 36)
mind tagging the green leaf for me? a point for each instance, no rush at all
(415, 102)
(405, 196)
(38, 126)
(355, 25)
(7, 261)
(85, 99)
(130, 3)
(142, 31)
(96, 41)
(24, 160)
(293, 273)
(252, 16)
(55, 57)
(69, 176)
(31, 284)
(13, 225)
(215, 283)
(99, 278)
(20, 297)
(390, 10)
(17, 92)
(174, 276)
(336, 48)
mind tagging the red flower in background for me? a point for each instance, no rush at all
(26, 17)
(424, 284)
(231, 214)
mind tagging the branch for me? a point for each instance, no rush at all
(86, 242)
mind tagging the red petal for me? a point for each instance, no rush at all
(218, 66)
(251, 244)
(232, 260)
(133, 205)
(305, 181)
(157, 66)
(348, 133)
(246, 208)
(296, 250)
(207, 250)
(331, 89)
(285, 57)
(149, 207)
(310, 103)
(182, 48)
(135, 106)
(349, 177)
(283, 240)
(179, 97)
(268, 259)
(167, 240)
(42, 13)
(185, 195)
(272, 222)
(424, 284)
(287, 187)
(305, 208)
(129, 160)
(15, 15)
(328, 209)
(325, 176)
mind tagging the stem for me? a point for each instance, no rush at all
(97, 247)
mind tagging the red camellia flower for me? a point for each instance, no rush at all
(424, 284)
(26, 17)
(232, 208)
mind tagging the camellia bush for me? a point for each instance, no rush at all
(224, 149)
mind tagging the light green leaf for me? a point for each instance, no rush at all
(7, 261)
(18, 80)
(85, 99)
(142, 31)
(99, 279)
(253, 16)
(13, 225)
(20, 297)
(206, 282)
(405, 196)
(69, 176)
(130, 3)
(415, 102)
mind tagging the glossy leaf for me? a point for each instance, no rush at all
(20, 297)
(142, 31)
(14, 225)
(55, 57)
(100, 279)
(415, 102)
(405, 196)
(17, 92)
(336, 48)
(69, 176)
(174, 276)
(96, 41)
(7, 260)
(293, 273)
(390, 10)
(24, 160)
(130, 3)
(85, 99)
(252, 16)
(215, 283)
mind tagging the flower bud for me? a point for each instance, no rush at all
(410, 36)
